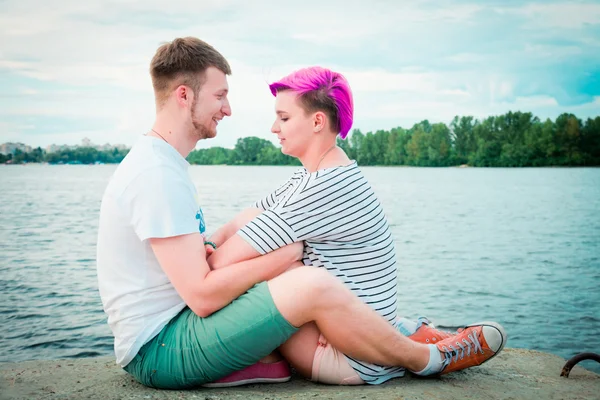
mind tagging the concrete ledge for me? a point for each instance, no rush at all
(514, 374)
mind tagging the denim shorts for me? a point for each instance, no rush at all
(190, 351)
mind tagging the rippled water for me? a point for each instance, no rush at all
(520, 246)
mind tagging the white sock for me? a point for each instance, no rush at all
(435, 362)
(406, 326)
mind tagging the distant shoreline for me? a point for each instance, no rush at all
(362, 166)
(513, 140)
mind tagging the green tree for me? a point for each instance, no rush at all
(590, 141)
(210, 156)
(568, 138)
(368, 151)
(247, 150)
(356, 142)
(463, 137)
(417, 148)
(18, 156)
(489, 148)
(4, 158)
(439, 149)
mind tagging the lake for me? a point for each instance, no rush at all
(519, 246)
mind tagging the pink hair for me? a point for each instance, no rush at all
(319, 88)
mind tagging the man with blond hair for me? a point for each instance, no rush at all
(177, 322)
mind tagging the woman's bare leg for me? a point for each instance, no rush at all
(308, 294)
(299, 350)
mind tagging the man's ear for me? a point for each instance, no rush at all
(183, 95)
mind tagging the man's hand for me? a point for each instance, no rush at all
(209, 250)
(232, 251)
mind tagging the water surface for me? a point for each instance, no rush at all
(519, 246)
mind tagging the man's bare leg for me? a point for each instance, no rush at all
(309, 294)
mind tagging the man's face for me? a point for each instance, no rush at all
(293, 127)
(210, 104)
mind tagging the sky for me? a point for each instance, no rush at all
(72, 69)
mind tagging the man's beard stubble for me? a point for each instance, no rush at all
(200, 131)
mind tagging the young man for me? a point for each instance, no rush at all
(179, 324)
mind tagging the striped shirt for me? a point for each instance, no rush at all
(336, 213)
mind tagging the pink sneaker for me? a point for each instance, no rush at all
(256, 373)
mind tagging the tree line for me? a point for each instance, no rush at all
(78, 155)
(515, 139)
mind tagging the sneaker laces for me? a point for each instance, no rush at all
(424, 321)
(455, 352)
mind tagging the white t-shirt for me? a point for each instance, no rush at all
(150, 195)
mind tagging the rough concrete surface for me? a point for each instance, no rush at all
(513, 374)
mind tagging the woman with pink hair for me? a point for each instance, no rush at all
(329, 205)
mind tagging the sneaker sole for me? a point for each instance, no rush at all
(247, 382)
(499, 328)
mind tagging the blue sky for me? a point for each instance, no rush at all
(74, 69)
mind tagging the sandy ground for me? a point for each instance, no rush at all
(514, 374)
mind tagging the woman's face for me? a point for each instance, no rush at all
(293, 127)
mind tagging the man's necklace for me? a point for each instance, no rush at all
(161, 136)
(331, 148)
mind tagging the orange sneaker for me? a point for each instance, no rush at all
(472, 346)
(427, 334)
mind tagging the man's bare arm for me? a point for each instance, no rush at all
(229, 229)
(234, 250)
(205, 291)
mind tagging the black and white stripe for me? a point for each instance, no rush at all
(336, 213)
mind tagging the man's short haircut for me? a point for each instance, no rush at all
(183, 61)
(320, 89)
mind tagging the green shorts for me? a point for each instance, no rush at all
(190, 351)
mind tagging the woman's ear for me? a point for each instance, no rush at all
(319, 121)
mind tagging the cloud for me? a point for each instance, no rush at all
(565, 15)
(81, 68)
